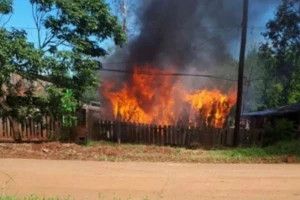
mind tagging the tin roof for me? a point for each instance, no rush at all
(291, 108)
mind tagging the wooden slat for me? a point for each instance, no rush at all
(135, 134)
(164, 135)
(178, 135)
(1, 128)
(173, 135)
(143, 133)
(151, 134)
(8, 127)
(39, 130)
(44, 130)
(140, 133)
(184, 136)
(147, 133)
(159, 135)
(21, 130)
(28, 129)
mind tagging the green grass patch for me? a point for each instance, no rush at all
(91, 143)
(284, 148)
(271, 153)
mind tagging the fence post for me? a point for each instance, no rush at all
(165, 135)
(160, 135)
(119, 128)
(141, 132)
(168, 135)
(87, 121)
(1, 127)
(190, 136)
(152, 133)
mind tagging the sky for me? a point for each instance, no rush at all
(22, 18)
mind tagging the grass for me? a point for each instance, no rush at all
(289, 147)
(127, 152)
(91, 143)
(112, 152)
(274, 153)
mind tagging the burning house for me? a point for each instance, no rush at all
(165, 100)
(176, 37)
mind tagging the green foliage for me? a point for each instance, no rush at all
(281, 57)
(256, 82)
(65, 57)
(6, 7)
(91, 143)
(284, 148)
(69, 106)
(92, 93)
(279, 130)
(272, 153)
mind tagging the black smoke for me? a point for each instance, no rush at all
(182, 33)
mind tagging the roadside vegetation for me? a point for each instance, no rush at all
(286, 151)
(280, 152)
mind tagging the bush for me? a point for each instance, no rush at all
(284, 148)
(280, 130)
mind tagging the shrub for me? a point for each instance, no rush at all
(280, 130)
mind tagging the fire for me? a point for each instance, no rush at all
(213, 106)
(164, 100)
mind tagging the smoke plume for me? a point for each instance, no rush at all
(188, 36)
(190, 32)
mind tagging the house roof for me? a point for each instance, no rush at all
(291, 108)
(259, 113)
(39, 85)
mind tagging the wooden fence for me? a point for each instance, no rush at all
(31, 130)
(169, 135)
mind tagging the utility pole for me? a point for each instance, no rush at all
(241, 73)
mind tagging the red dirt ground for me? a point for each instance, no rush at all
(99, 152)
(103, 151)
(87, 179)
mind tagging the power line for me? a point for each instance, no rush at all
(205, 29)
(144, 29)
(167, 74)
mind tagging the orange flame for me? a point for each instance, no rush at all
(164, 100)
(213, 106)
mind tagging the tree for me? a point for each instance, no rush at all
(281, 55)
(69, 35)
(254, 81)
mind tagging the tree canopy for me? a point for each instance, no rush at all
(281, 56)
(69, 36)
(275, 65)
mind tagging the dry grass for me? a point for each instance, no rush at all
(104, 151)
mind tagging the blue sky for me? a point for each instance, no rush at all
(22, 18)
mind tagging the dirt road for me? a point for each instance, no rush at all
(87, 179)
